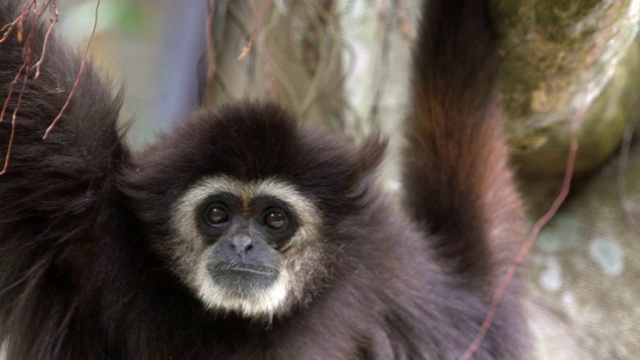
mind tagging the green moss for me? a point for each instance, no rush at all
(547, 48)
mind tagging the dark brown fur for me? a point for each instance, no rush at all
(78, 212)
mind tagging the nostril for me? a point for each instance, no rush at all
(242, 243)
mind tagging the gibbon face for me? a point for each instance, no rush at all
(244, 246)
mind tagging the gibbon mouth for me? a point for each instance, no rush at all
(242, 278)
(242, 270)
(250, 270)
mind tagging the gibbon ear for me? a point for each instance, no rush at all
(349, 174)
(369, 158)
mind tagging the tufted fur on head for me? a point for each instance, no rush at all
(250, 150)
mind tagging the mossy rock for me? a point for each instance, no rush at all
(559, 59)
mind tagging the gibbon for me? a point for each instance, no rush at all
(242, 234)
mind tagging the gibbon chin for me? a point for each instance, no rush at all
(242, 234)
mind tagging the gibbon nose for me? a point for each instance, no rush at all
(242, 244)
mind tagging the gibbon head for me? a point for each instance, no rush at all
(247, 208)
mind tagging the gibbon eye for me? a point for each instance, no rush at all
(275, 219)
(217, 215)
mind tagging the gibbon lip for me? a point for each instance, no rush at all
(263, 272)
